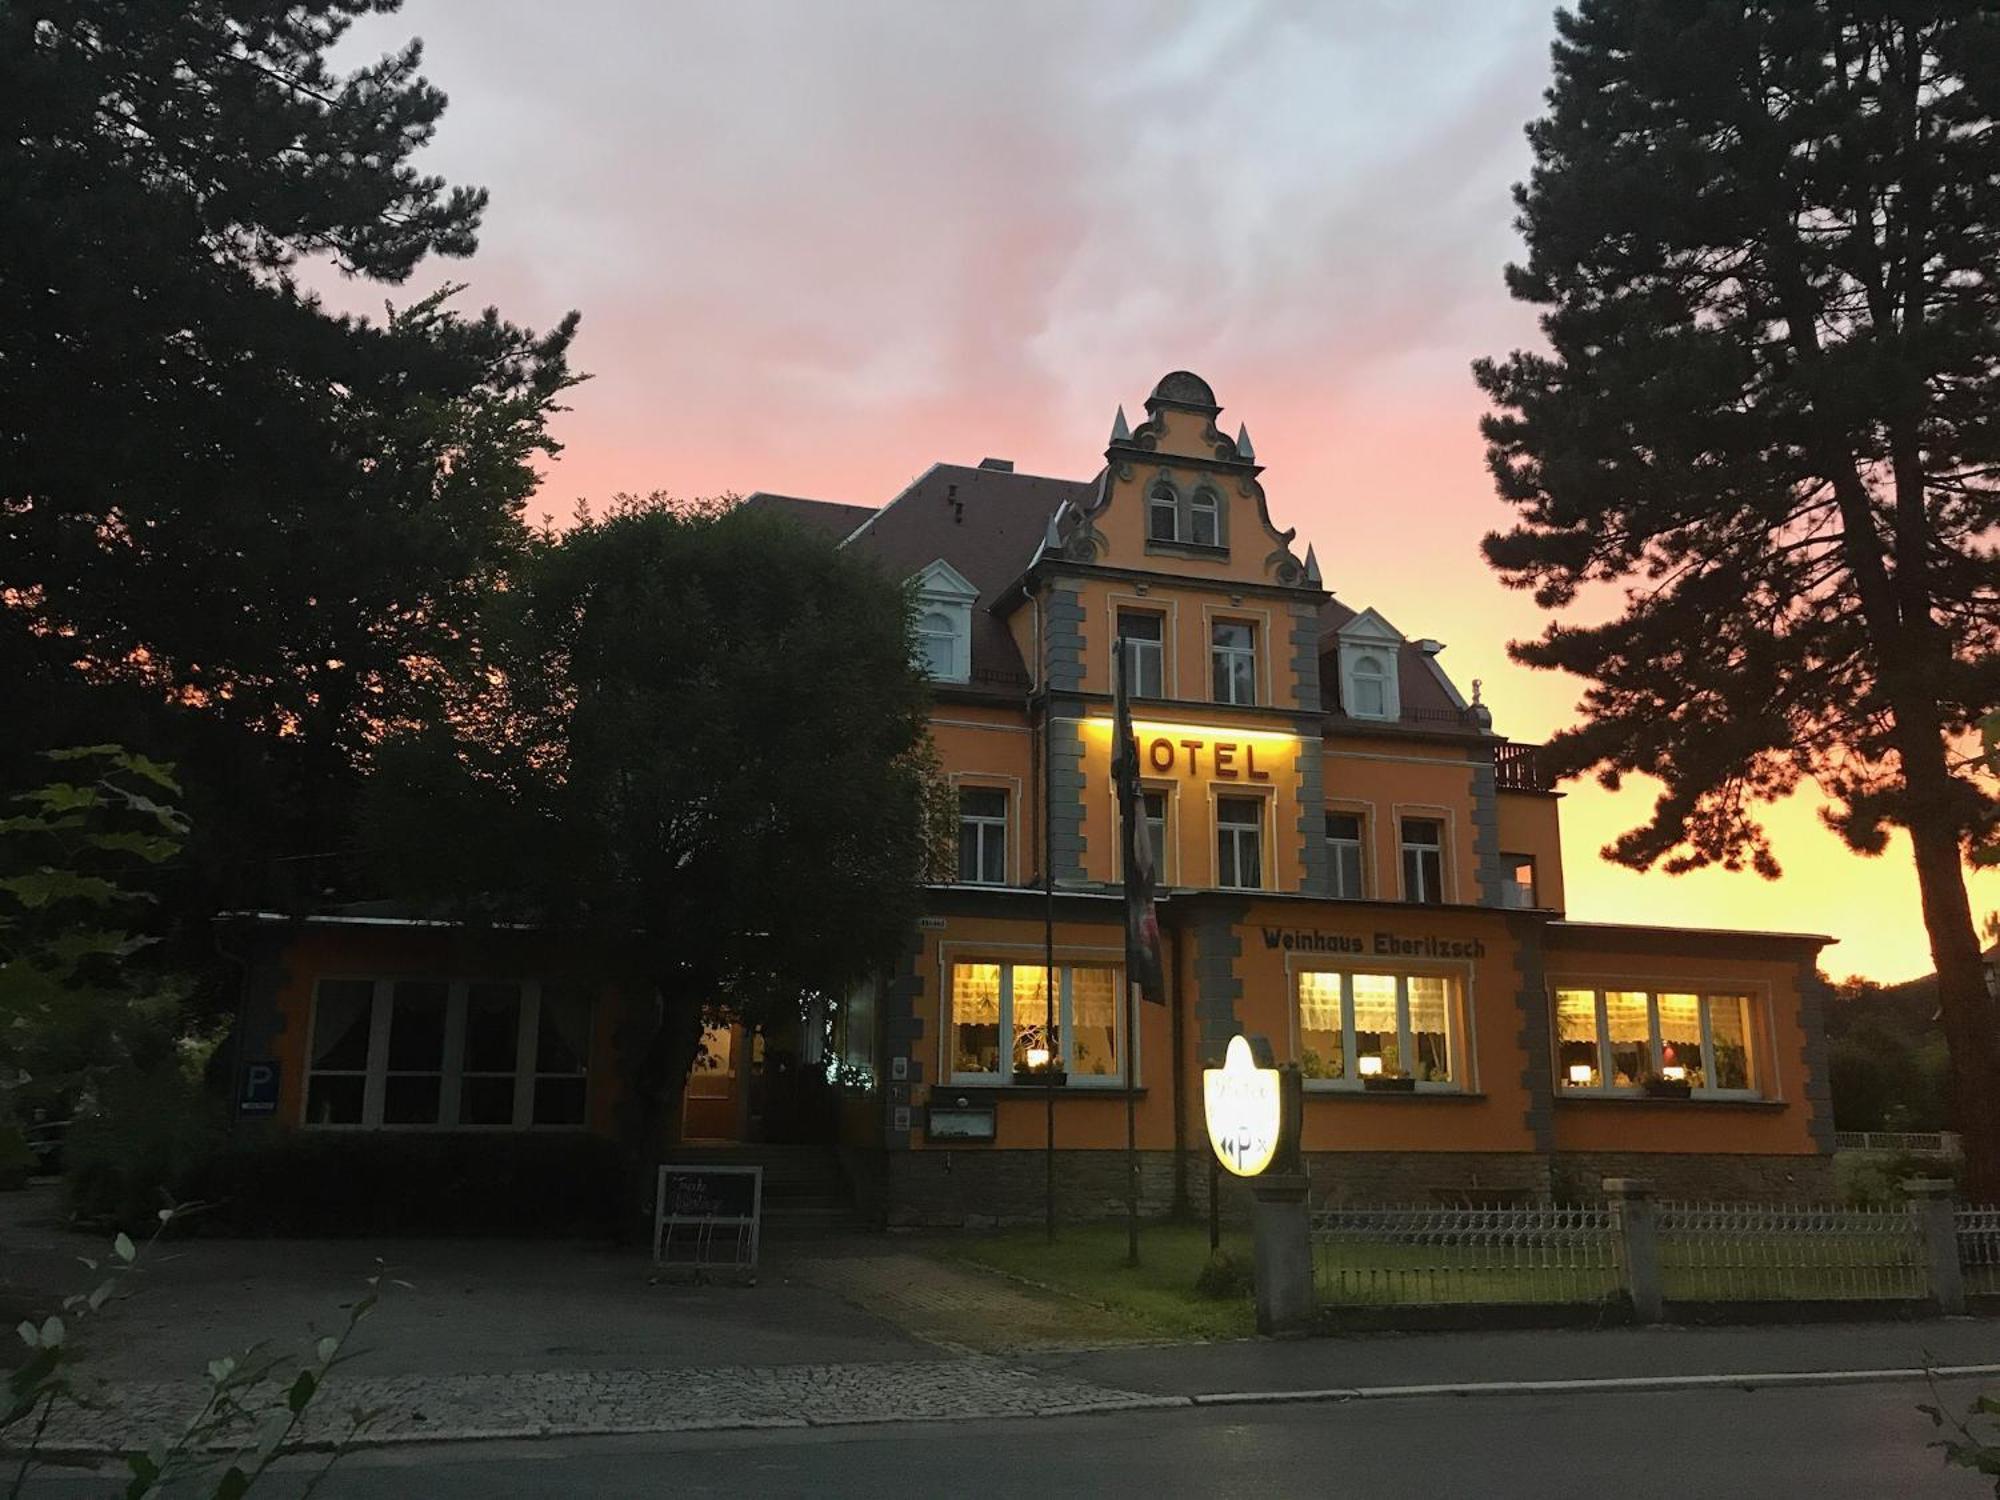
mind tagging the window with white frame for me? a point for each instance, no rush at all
(1517, 881)
(1144, 634)
(1155, 809)
(1163, 515)
(415, 1053)
(1423, 860)
(1356, 1027)
(1609, 1041)
(1004, 1021)
(1233, 654)
(1205, 519)
(938, 643)
(1343, 855)
(1239, 842)
(1370, 680)
(982, 835)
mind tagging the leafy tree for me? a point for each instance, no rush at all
(1766, 239)
(76, 919)
(236, 530)
(695, 746)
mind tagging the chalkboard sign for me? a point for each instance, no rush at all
(707, 1217)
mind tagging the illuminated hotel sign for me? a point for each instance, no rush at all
(1245, 1108)
(1218, 754)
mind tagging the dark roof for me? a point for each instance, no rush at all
(832, 517)
(987, 524)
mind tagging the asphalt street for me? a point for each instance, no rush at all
(1829, 1443)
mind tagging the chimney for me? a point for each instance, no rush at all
(998, 465)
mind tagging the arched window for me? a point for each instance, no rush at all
(1205, 519)
(1163, 515)
(1371, 688)
(937, 641)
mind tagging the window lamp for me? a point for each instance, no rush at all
(1654, 1041)
(1368, 1031)
(1001, 1023)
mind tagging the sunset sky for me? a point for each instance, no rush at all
(818, 246)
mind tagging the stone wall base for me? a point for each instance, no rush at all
(1577, 1176)
(979, 1189)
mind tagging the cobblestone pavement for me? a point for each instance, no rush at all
(417, 1408)
(961, 1307)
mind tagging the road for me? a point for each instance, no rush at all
(1854, 1442)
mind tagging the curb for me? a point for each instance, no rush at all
(1110, 1405)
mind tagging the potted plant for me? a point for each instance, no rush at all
(1389, 1083)
(1657, 1086)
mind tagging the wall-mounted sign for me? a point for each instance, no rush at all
(1205, 752)
(1245, 1106)
(1380, 944)
(260, 1088)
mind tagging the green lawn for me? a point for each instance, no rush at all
(1088, 1261)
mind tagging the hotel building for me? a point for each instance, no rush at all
(1353, 865)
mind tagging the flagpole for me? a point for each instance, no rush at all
(1129, 821)
(1048, 933)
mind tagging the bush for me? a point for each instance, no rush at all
(390, 1183)
(1874, 1179)
(1223, 1277)
(137, 1144)
(16, 1160)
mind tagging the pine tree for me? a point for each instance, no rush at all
(1765, 236)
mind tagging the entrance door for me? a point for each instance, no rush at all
(712, 1108)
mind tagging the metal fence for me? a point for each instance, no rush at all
(1733, 1252)
(1911, 1142)
(1428, 1255)
(1979, 1249)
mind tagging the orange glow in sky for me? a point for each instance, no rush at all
(818, 247)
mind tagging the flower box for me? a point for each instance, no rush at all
(1667, 1088)
(1382, 1084)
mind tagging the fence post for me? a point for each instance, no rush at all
(1937, 1220)
(1633, 1220)
(1281, 1253)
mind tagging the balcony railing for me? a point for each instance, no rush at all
(1518, 768)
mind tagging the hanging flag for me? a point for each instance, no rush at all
(1142, 921)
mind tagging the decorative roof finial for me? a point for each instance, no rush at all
(1120, 433)
(1052, 539)
(1243, 448)
(1476, 686)
(1312, 567)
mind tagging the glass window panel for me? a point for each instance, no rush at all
(1202, 520)
(713, 1075)
(1630, 1033)
(1343, 826)
(559, 1101)
(1037, 1043)
(1163, 517)
(1576, 1040)
(335, 1099)
(982, 802)
(492, 1027)
(1729, 1036)
(411, 1099)
(486, 1101)
(1680, 1040)
(975, 1018)
(1376, 1033)
(562, 1039)
(1156, 831)
(1346, 871)
(416, 1026)
(1322, 1052)
(343, 1012)
(1430, 1035)
(1093, 1023)
(1371, 688)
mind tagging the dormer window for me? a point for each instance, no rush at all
(1163, 516)
(1371, 687)
(1370, 684)
(943, 606)
(1205, 519)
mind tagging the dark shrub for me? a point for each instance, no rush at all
(134, 1146)
(1224, 1276)
(390, 1183)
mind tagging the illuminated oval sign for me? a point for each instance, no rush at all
(1245, 1108)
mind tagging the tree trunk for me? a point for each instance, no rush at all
(658, 1077)
(1971, 1019)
